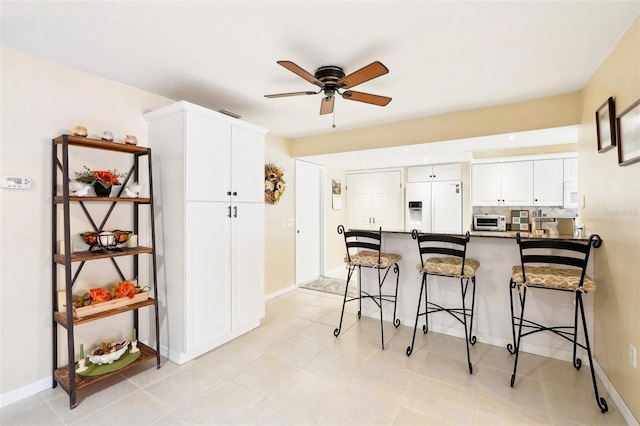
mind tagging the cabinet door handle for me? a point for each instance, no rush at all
(229, 211)
(235, 193)
(235, 211)
(228, 192)
(374, 220)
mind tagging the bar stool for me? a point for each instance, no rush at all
(450, 261)
(538, 269)
(370, 257)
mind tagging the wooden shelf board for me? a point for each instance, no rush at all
(61, 375)
(81, 256)
(100, 144)
(58, 199)
(61, 317)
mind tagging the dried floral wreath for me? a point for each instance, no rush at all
(274, 184)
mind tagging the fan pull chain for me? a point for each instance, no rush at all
(334, 119)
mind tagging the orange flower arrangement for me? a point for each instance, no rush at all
(125, 289)
(99, 295)
(106, 178)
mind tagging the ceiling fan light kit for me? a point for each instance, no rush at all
(331, 79)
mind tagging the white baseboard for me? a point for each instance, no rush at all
(279, 292)
(627, 415)
(25, 391)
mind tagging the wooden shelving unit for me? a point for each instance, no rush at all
(67, 377)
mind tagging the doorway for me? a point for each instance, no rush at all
(309, 221)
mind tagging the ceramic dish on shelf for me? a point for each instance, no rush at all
(112, 353)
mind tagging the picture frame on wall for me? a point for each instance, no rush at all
(605, 125)
(628, 134)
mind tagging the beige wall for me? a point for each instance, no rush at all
(280, 241)
(612, 209)
(556, 111)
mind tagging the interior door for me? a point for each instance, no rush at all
(309, 184)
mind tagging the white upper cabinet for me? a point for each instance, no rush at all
(502, 184)
(570, 169)
(247, 165)
(207, 149)
(547, 182)
(433, 173)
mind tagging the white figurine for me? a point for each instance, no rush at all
(133, 191)
(79, 189)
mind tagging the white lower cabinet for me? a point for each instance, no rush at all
(224, 272)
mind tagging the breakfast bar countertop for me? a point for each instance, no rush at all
(496, 234)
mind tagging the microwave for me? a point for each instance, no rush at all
(489, 222)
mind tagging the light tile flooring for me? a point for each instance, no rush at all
(293, 371)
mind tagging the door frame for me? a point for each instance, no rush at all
(322, 216)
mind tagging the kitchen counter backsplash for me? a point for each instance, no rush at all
(556, 212)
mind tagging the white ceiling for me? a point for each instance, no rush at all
(443, 56)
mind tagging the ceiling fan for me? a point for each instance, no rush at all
(331, 80)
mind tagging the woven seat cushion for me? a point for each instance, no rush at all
(548, 276)
(449, 266)
(370, 259)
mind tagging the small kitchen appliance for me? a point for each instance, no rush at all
(490, 222)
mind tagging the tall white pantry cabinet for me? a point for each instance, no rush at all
(210, 227)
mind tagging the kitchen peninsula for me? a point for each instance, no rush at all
(497, 253)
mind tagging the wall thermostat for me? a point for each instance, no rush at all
(15, 182)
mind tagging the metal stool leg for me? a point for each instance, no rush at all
(336, 332)
(511, 347)
(523, 298)
(464, 285)
(380, 301)
(415, 327)
(602, 403)
(396, 321)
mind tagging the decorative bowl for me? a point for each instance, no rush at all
(122, 236)
(91, 238)
(113, 352)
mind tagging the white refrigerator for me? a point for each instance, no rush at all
(434, 207)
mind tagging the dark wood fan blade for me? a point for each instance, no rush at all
(366, 97)
(282, 95)
(371, 71)
(326, 107)
(302, 73)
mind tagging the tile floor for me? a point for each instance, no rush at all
(293, 371)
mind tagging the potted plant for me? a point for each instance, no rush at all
(101, 180)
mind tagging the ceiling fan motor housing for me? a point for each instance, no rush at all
(329, 76)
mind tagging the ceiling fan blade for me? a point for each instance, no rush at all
(366, 97)
(326, 106)
(302, 73)
(282, 95)
(371, 71)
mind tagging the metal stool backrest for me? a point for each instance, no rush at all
(566, 253)
(355, 240)
(429, 244)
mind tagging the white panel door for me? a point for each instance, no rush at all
(517, 183)
(308, 221)
(247, 165)
(247, 267)
(547, 182)
(208, 274)
(359, 201)
(207, 150)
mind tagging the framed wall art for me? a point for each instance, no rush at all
(628, 134)
(605, 125)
